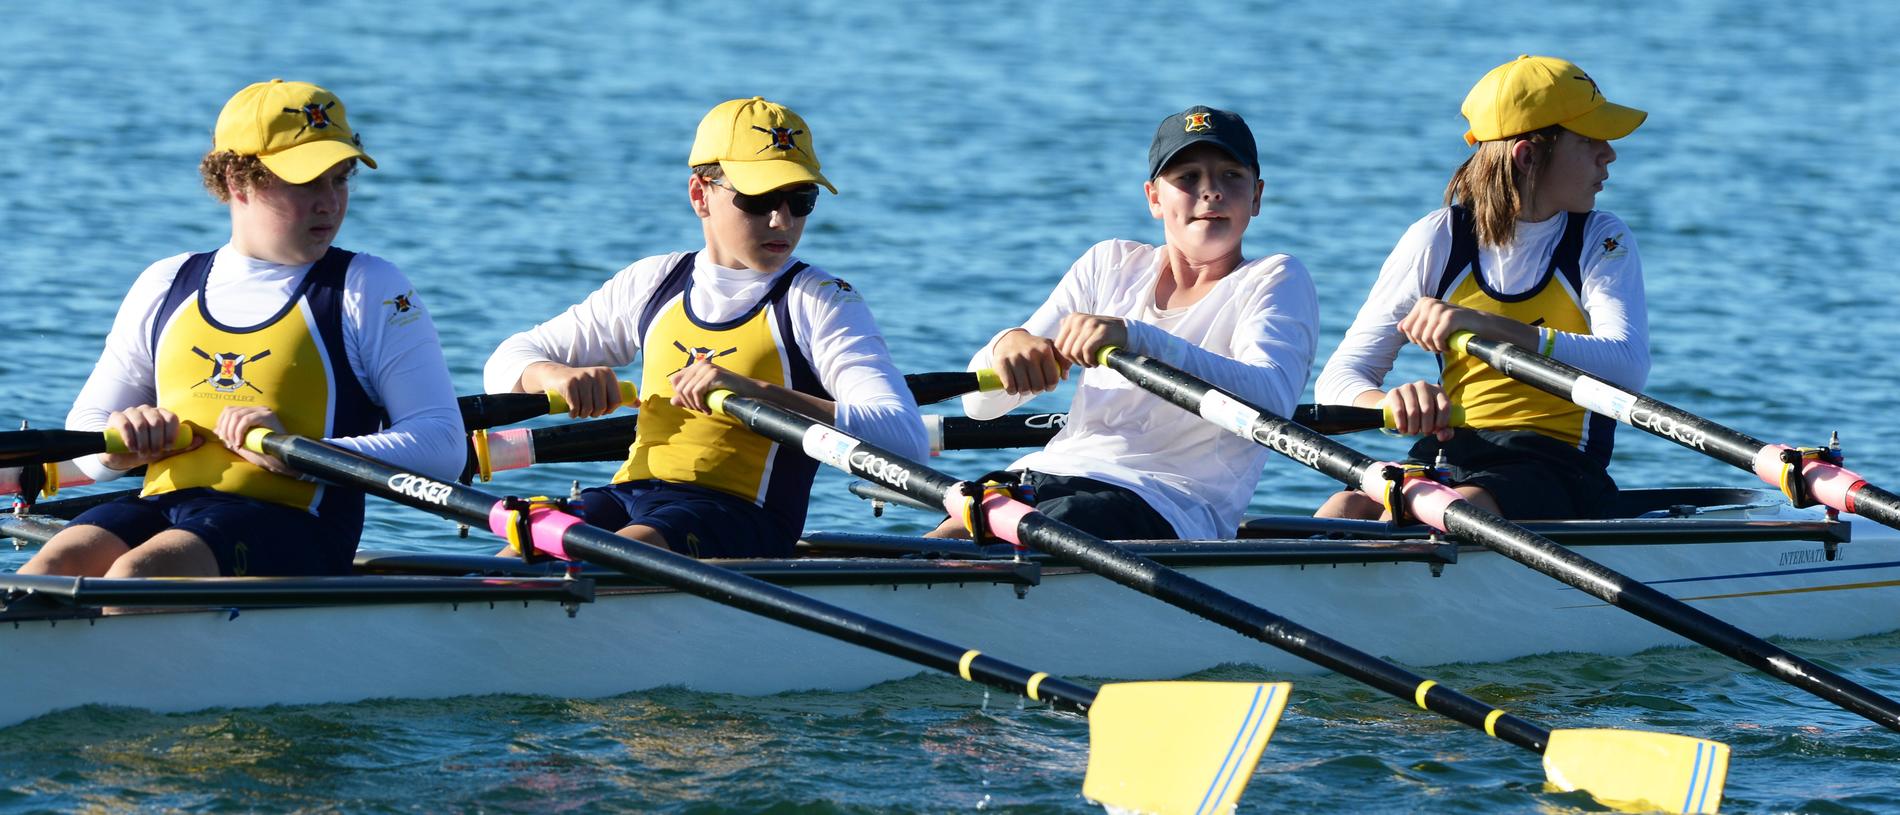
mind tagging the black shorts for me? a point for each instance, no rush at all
(696, 521)
(246, 535)
(1532, 476)
(1097, 507)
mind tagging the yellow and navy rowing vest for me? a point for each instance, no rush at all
(292, 363)
(716, 452)
(1491, 400)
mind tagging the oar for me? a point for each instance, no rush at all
(1186, 747)
(931, 388)
(53, 450)
(607, 439)
(1806, 475)
(26, 447)
(485, 410)
(1442, 508)
(1674, 772)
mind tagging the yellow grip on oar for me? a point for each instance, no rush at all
(629, 395)
(1389, 422)
(1458, 340)
(1101, 357)
(254, 439)
(717, 400)
(116, 444)
(988, 380)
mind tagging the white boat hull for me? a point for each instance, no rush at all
(1483, 608)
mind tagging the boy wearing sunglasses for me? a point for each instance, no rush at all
(742, 314)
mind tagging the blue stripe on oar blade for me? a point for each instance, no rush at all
(1243, 737)
(1178, 747)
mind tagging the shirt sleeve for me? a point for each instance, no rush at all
(392, 344)
(600, 330)
(1617, 347)
(124, 376)
(844, 346)
(1072, 294)
(1272, 348)
(1372, 343)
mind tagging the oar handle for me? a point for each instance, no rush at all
(936, 386)
(629, 395)
(115, 444)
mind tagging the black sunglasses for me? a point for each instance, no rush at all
(801, 199)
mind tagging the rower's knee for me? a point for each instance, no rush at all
(644, 534)
(80, 551)
(167, 554)
(950, 528)
(1480, 498)
(1350, 504)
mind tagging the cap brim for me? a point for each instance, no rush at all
(1155, 171)
(1609, 121)
(761, 177)
(303, 163)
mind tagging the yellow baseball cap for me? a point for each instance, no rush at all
(1530, 93)
(761, 145)
(297, 129)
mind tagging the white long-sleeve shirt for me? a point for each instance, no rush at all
(1253, 335)
(396, 354)
(835, 330)
(1616, 349)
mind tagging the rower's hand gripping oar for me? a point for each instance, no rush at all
(1807, 475)
(1672, 772)
(1411, 490)
(1169, 747)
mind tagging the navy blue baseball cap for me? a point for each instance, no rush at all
(1224, 129)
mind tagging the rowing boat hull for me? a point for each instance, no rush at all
(1484, 608)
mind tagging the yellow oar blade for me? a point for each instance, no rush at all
(1179, 747)
(1637, 770)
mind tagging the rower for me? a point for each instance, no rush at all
(742, 314)
(1128, 465)
(278, 328)
(1517, 255)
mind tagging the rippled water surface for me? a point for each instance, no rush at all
(528, 150)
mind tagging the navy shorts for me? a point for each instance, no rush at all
(1097, 507)
(1532, 476)
(247, 536)
(696, 521)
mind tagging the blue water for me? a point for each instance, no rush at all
(529, 150)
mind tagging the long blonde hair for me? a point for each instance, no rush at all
(1489, 184)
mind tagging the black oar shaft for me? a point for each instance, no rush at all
(597, 440)
(25, 447)
(472, 506)
(927, 485)
(931, 388)
(1499, 535)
